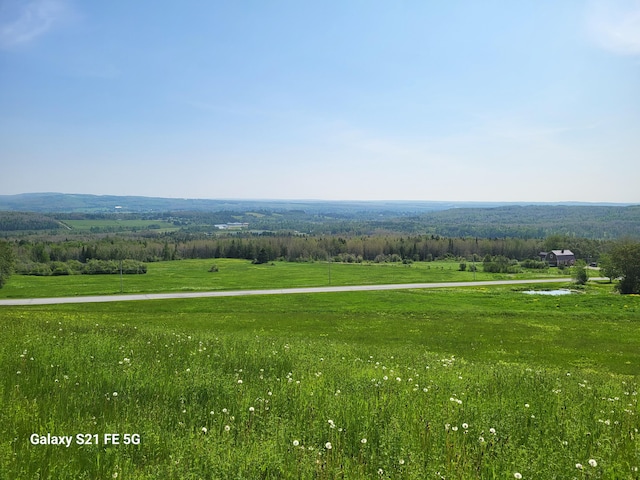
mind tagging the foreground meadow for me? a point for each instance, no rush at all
(466, 383)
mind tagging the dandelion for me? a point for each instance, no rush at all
(492, 431)
(227, 428)
(526, 405)
(465, 425)
(363, 441)
(204, 429)
(251, 409)
(115, 394)
(380, 472)
(401, 461)
(239, 381)
(328, 446)
(481, 439)
(224, 410)
(296, 443)
(579, 466)
(454, 428)
(593, 463)
(517, 475)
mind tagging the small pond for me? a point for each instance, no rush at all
(548, 292)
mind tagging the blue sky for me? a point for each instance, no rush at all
(369, 100)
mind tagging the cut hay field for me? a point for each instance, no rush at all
(232, 274)
(454, 383)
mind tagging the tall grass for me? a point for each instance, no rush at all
(380, 385)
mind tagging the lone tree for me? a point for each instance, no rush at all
(625, 259)
(6, 262)
(263, 257)
(580, 274)
(607, 268)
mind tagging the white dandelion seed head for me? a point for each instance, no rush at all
(363, 441)
(239, 381)
(380, 472)
(204, 429)
(227, 428)
(251, 409)
(115, 394)
(296, 443)
(579, 466)
(492, 431)
(328, 446)
(517, 475)
(593, 463)
(465, 425)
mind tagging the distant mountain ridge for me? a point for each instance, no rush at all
(51, 202)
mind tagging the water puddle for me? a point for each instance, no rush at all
(548, 292)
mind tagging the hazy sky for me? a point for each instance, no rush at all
(532, 100)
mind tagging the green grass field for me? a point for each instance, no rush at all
(194, 275)
(453, 383)
(116, 225)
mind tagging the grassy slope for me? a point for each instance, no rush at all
(362, 360)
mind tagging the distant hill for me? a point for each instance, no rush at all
(538, 221)
(84, 203)
(50, 211)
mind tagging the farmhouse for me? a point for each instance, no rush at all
(555, 258)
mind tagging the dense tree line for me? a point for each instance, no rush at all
(21, 221)
(74, 267)
(269, 247)
(7, 259)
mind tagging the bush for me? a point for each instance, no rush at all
(533, 264)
